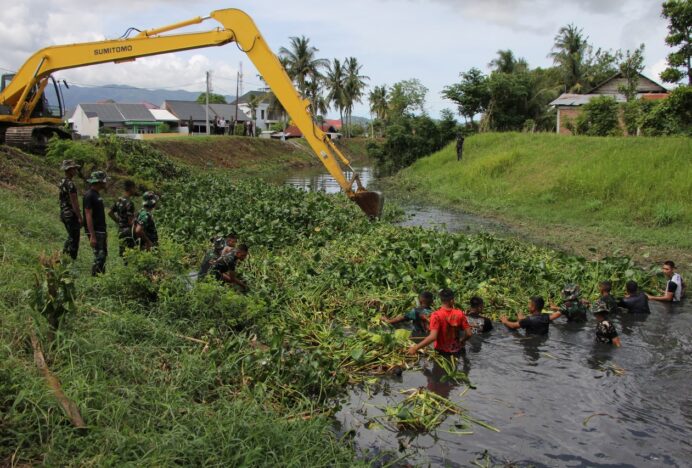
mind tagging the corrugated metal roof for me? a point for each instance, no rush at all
(107, 113)
(163, 115)
(136, 112)
(186, 109)
(227, 111)
(581, 99)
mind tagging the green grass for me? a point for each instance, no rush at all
(632, 189)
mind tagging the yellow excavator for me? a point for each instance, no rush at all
(26, 119)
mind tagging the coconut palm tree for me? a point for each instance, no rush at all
(506, 62)
(301, 63)
(354, 87)
(335, 82)
(569, 52)
(318, 102)
(378, 102)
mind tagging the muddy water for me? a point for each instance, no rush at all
(560, 400)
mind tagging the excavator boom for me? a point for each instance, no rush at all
(21, 95)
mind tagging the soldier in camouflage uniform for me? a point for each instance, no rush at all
(145, 226)
(604, 288)
(70, 215)
(211, 256)
(572, 307)
(123, 213)
(95, 221)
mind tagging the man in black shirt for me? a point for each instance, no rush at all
(635, 301)
(70, 215)
(537, 323)
(95, 217)
(460, 146)
(479, 323)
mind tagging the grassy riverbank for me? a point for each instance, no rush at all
(583, 194)
(167, 371)
(248, 157)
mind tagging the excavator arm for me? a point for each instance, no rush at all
(20, 95)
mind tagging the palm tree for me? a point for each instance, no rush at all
(300, 62)
(569, 51)
(378, 102)
(354, 87)
(318, 102)
(335, 86)
(506, 62)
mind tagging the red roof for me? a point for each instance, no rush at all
(333, 123)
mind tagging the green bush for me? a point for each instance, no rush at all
(599, 117)
(670, 116)
(82, 151)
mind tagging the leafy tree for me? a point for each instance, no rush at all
(679, 15)
(313, 89)
(378, 102)
(599, 66)
(599, 117)
(471, 95)
(506, 62)
(407, 97)
(447, 126)
(354, 87)
(631, 66)
(670, 116)
(213, 99)
(569, 51)
(301, 62)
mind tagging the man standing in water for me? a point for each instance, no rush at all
(537, 323)
(460, 146)
(70, 215)
(675, 286)
(95, 218)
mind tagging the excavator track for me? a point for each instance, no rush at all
(33, 138)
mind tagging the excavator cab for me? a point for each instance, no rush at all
(4, 81)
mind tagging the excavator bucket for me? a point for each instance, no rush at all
(371, 203)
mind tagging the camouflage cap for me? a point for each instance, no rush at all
(571, 292)
(149, 199)
(69, 164)
(149, 195)
(97, 176)
(219, 243)
(599, 307)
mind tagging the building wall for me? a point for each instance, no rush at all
(84, 125)
(565, 114)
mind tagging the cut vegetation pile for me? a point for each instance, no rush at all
(166, 370)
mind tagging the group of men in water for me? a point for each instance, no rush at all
(449, 327)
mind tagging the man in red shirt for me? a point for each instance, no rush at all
(446, 323)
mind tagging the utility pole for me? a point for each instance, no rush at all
(206, 107)
(237, 97)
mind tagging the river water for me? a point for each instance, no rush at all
(560, 400)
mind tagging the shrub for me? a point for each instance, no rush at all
(599, 117)
(83, 152)
(670, 116)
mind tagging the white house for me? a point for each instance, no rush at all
(265, 117)
(86, 123)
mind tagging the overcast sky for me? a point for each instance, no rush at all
(432, 40)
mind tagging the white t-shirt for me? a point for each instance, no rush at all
(677, 281)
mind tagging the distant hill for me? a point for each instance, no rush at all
(119, 93)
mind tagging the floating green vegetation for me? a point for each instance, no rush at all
(423, 411)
